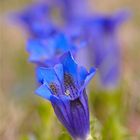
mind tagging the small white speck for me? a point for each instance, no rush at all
(67, 92)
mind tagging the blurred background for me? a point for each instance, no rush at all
(24, 116)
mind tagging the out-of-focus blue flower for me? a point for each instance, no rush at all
(64, 86)
(71, 9)
(37, 19)
(46, 52)
(103, 40)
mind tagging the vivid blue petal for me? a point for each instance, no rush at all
(69, 65)
(62, 42)
(46, 51)
(44, 92)
(39, 50)
(52, 78)
(59, 72)
(48, 75)
(70, 76)
(39, 76)
(36, 50)
(88, 78)
(82, 75)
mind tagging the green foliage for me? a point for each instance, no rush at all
(113, 129)
(105, 103)
(108, 107)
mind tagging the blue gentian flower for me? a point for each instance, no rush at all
(46, 52)
(37, 19)
(104, 43)
(64, 86)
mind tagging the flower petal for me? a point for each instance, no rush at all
(39, 51)
(59, 72)
(62, 111)
(80, 119)
(84, 100)
(48, 75)
(44, 92)
(54, 82)
(82, 75)
(69, 65)
(88, 78)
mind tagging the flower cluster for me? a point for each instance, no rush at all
(58, 30)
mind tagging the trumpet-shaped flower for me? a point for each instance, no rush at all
(45, 52)
(103, 38)
(64, 86)
(37, 19)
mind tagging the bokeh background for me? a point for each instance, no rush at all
(24, 116)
